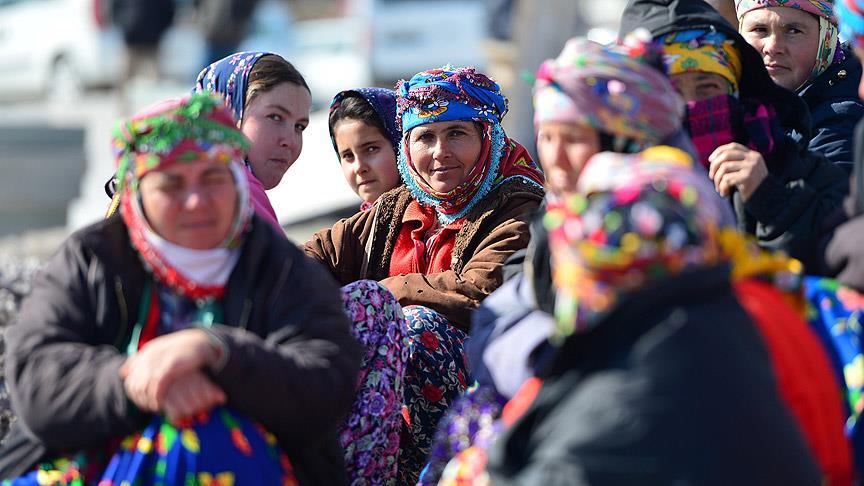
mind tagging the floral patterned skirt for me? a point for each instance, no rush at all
(437, 373)
(220, 448)
(370, 435)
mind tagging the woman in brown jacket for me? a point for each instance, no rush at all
(438, 242)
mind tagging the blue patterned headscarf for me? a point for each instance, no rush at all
(230, 78)
(447, 94)
(383, 101)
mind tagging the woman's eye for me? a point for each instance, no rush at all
(372, 149)
(300, 127)
(275, 117)
(348, 157)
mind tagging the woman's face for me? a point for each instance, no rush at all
(698, 86)
(367, 158)
(563, 149)
(274, 122)
(787, 39)
(444, 152)
(191, 204)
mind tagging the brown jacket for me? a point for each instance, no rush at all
(361, 246)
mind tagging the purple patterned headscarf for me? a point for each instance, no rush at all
(230, 78)
(383, 101)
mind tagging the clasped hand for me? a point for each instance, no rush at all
(167, 375)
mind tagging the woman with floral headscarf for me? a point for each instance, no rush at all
(591, 98)
(741, 123)
(642, 385)
(171, 322)
(438, 242)
(798, 42)
(271, 102)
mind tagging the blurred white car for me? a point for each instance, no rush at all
(327, 54)
(403, 37)
(56, 47)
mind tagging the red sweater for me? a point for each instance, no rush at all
(419, 248)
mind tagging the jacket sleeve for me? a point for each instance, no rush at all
(790, 210)
(338, 247)
(834, 133)
(300, 379)
(66, 388)
(455, 295)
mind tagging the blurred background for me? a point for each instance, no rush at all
(66, 77)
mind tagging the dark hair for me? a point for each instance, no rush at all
(354, 107)
(270, 71)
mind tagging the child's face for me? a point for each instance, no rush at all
(367, 158)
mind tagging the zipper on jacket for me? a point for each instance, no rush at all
(124, 312)
(244, 314)
(280, 282)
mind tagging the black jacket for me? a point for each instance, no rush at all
(835, 109)
(802, 190)
(674, 386)
(292, 361)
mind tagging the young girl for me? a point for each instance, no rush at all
(364, 134)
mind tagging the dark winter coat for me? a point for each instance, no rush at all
(674, 386)
(835, 109)
(292, 361)
(802, 190)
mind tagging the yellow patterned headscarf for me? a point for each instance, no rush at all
(693, 51)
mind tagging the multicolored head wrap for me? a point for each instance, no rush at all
(700, 50)
(653, 221)
(448, 94)
(383, 101)
(230, 78)
(460, 94)
(829, 43)
(173, 132)
(610, 89)
(850, 16)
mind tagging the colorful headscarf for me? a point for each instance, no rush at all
(611, 89)
(230, 78)
(460, 94)
(850, 16)
(829, 44)
(169, 133)
(383, 101)
(628, 231)
(700, 50)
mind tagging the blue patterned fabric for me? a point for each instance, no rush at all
(835, 314)
(436, 375)
(221, 448)
(230, 78)
(383, 101)
(448, 94)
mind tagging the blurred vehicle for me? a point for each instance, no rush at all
(327, 54)
(403, 37)
(56, 47)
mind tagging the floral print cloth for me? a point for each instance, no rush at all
(472, 421)
(371, 434)
(436, 375)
